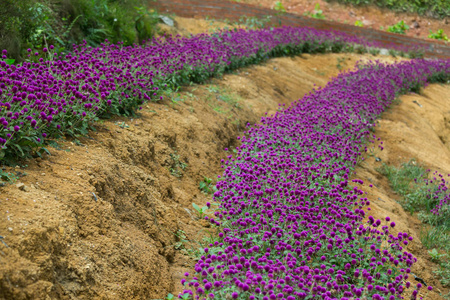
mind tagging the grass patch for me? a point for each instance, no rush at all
(433, 8)
(427, 197)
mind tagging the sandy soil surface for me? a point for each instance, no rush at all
(369, 16)
(110, 216)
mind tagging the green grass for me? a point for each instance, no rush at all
(410, 181)
(406, 181)
(435, 8)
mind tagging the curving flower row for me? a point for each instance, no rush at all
(293, 226)
(61, 94)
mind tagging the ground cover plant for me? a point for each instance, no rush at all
(293, 224)
(433, 8)
(55, 94)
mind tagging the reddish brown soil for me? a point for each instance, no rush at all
(370, 16)
(102, 218)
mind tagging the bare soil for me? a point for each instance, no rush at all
(370, 16)
(101, 218)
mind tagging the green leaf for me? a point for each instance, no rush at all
(9, 61)
(45, 150)
(197, 208)
(19, 148)
(170, 297)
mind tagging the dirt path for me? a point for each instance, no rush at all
(101, 217)
(368, 16)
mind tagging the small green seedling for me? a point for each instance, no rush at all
(170, 297)
(435, 255)
(200, 211)
(207, 186)
(185, 296)
(359, 23)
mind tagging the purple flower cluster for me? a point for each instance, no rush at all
(294, 224)
(439, 193)
(61, 94)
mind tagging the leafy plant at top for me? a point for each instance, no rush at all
(317, 13)
(438, 35)
(430, 8)
(399, 28)
(279, 7)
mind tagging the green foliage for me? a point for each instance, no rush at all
(359, 23)
(176, 166)
(37, 24)
(399, 28)
(438, 239)
(444, 272)
(438, 35)
(407, 181)
(410, 180)
(340, 60)
(200, 210)
(279, 7)
(432, 8)
(317, 13)
(435, 255)
(207, 186)
(255, 22)
(170, 297)
(7, 177)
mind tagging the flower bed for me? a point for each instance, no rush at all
(58, 95)
(292, 226)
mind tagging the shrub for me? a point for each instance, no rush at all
(438, 35)
(432, 8)
(399, 28)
